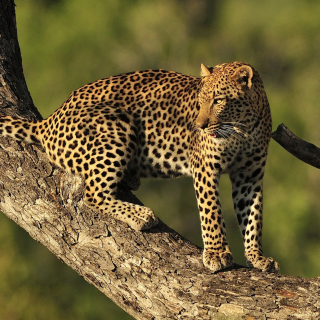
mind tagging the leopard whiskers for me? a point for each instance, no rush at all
(241, 133)
(235, 129)
(225, 131)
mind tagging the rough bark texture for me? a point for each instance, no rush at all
(15, 99)
(301, 149)
(152, 275)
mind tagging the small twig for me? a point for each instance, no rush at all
(303, 150)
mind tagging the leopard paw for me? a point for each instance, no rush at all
(143, 218)
(266, 264)
(136, 216)
(216, 261)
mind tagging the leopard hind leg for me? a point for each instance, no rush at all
(100, 193)
(107, 168)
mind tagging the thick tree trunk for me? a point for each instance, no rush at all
(152, 275)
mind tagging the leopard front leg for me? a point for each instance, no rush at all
(247, 199)
(217, 254)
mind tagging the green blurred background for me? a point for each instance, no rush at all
(68, 43)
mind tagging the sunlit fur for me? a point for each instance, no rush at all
(163, 124)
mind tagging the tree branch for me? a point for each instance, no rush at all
(301, 149)
(152, 275)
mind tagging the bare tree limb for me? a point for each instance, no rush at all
(301, 149)
(151, 275)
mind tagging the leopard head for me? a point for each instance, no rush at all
(232, 100)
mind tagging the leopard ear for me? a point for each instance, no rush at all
(243, 76)
(205, 72)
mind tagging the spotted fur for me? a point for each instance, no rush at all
(159, 123)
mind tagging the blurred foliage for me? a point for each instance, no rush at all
(68, 43)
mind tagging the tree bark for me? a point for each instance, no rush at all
(152, 275)
(301, 149)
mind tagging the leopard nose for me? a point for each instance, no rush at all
(202, 124)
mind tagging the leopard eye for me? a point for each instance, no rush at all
(219, 100)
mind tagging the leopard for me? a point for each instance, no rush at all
(164, 124)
